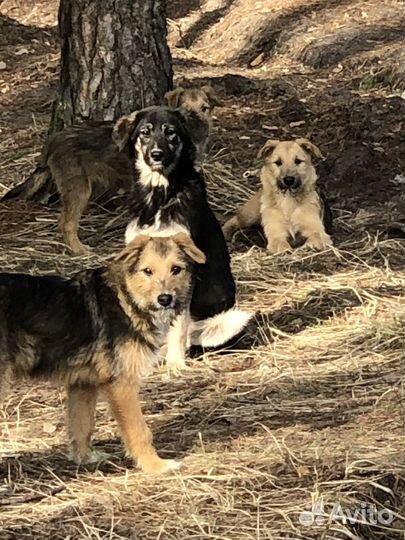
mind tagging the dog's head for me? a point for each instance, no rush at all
(195, 100)
(158, 135)
(157, 271)
(289, 165)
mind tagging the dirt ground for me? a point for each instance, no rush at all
(305, 411)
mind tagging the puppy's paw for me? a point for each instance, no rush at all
(175, 364)
(160, 466)
(278, 245)
(89, 457)
(80, 249)
(230, 227)
(318, 241)
(97, 456)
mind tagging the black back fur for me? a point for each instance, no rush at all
(62, 319)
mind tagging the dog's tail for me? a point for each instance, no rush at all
(219, 329)
(36, 187)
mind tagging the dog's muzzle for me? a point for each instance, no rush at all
(289, 183)
(156, 157)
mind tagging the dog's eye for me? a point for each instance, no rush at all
(298, 161)
(205, 108)
(171, 133)
(278, 162)
(145, 132)
(147, 271)
(176, 270)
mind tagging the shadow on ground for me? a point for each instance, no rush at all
(13, 33)
(207, 20)
(319, 306)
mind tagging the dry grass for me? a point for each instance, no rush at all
(305, 409)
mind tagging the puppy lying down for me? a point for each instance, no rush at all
(289, 204)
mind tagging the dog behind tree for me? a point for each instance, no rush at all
(197, 104)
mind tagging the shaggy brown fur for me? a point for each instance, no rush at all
(289, 205)
(82, 162)
(99, 331)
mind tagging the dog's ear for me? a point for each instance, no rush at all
(173, 97)
(211, 95)
(310, 148)
(267, 149)
(130, 254)
(188, 247)
(123, 129)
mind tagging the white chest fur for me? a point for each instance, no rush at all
(288, 207)
(296, 211)
(137, 360)
(147, 176)
(150, 178)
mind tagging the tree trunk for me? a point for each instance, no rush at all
(114, 59)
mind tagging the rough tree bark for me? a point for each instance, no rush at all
(114, 59)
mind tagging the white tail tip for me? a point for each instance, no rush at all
(219, 329)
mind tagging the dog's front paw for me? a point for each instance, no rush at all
(230, 227)
(318, 241)
(78, 248)
(278, 245)
(158, 465)
(89, 457)
(175, 365)
(97, 456)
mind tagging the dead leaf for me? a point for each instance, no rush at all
(302, 470)
(258, 60)
(20, 52)
(379, 149)
(49, 428)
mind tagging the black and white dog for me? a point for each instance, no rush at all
(170, 197)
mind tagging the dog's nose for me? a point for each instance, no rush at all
(289, 181)
(156, 154)
(165, 299)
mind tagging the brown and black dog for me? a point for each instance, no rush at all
(99, 331)
(290, 206)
